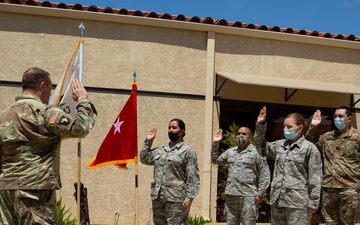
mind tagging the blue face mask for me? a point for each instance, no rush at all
(339, 123)
(290, 134)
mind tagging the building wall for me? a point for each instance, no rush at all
(261, 57)
(167, 61)
(257, 56)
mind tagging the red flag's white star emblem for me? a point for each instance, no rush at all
(117, 125)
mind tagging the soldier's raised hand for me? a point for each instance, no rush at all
(262, 115)
(218, 136)
(316, 119)
(152, 134)
(78, 89)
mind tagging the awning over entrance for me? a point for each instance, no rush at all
(291, 83)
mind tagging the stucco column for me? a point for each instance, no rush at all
(356, 115)
(210, 72)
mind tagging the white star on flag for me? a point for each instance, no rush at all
(117, 125)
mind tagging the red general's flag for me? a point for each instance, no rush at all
(120, 144)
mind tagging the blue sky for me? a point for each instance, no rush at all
(333, 16)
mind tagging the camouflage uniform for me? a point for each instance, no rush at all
(248, 177)
(341, 156)
(297, 177)
(176, 179)
(30, 139)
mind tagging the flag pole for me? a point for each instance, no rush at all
(78, 190)
(136, 167)
(136, 195)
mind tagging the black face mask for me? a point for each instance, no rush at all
(173, 136)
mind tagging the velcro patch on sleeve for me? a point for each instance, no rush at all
(53, 117)
(64, 121)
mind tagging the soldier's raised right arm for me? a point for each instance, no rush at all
(310, 134)
(69, 126)
(147, 154)
(263, 147)
(216, 157)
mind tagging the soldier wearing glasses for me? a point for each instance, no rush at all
(341, 159)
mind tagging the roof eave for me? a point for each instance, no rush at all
(174, 24)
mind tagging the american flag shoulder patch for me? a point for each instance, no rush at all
(53, 117)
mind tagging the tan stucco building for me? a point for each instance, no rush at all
(208, 73)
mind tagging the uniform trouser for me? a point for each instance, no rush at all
(240, 209)
(288, 216)
(169, 213)
(339, 205)
(29, 207)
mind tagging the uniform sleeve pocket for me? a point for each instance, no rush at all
(231, 160)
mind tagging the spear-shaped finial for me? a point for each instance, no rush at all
(134, 82)
(82, 28)
(134, 76)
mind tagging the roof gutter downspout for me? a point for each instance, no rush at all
(209, 90)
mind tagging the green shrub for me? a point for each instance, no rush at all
(230, 136)
(197, 220)
(63, 215)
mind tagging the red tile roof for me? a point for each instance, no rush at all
(194, 19)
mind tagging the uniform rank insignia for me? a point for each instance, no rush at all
(64, 121)
(53, 117)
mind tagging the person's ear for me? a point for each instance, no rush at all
(350, 117)
(302, 127)
(42, 86)
(182, 132)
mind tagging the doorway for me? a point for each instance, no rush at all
(244, 113)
